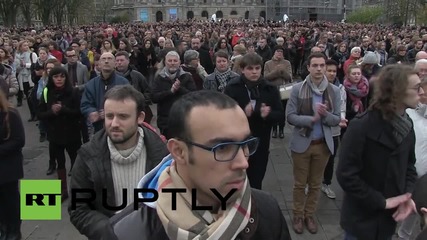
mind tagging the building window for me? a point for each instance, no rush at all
(205, 1)
(233, 1)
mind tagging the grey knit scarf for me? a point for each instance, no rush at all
(402, 125)
(117, 157)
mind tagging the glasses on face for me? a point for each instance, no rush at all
(416, 88)
(227, 151)
(71, 56)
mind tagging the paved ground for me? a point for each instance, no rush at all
(278, 181)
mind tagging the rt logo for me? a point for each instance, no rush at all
(40, 199)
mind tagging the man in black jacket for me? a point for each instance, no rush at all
(376, 166)
(113, 161)
(205, 58)
(210, 146)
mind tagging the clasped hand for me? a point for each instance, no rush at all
(176, 85)
(56, 108)
(405, 206)
(321, 111)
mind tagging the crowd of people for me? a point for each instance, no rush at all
(220, 87)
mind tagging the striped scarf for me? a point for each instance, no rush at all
(184, 223)
(305, 100)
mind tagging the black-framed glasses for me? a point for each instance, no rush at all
(416, 88)
(227, 151)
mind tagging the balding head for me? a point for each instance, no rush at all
(421, 55)
(316, 50)
(107, 63)
(421, 68)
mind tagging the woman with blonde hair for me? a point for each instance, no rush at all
(12, 140)
(24, 59)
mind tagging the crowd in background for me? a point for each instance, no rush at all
(64, 72)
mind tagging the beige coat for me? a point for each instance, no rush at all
(278, 72)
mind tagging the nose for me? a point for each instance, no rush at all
(421, 91)
(115, 122)
(240, 161)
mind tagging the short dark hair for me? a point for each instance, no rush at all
(316, 55)
(75, 42)
(122, 53)
(221, 54)
(251, 59)
(178, 126)
(122, 92)
(69, 49)
(330, 62)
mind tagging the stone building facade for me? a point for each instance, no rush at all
(170, 10)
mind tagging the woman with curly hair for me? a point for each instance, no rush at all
(12, 140)
(376, 167)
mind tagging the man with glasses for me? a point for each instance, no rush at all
(82, 54)
(77, 72)
(377, 156)
(210, 146)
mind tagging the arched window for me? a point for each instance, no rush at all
(159, 16)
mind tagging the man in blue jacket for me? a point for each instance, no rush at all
(92, 103)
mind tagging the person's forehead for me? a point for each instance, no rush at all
(331, 67)
(317, 60)
(171, 57)
(209, 122)
(422, 65)
(121, 58)
(107, 56)
(127, 106)
(221, 59)
(414, 80)
(252, 66)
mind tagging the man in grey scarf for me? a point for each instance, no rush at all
(313, 109)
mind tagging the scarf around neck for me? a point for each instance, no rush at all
(252, 87)
(165, 73)
(402, 125)
(356, 92)
(305, 99)
(185, 223)
(222, 78)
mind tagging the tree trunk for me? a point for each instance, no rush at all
(8, 11)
